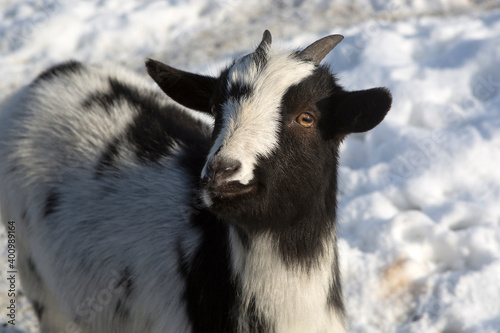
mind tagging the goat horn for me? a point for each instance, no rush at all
(318, 50)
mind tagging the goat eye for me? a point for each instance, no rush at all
(305, 120)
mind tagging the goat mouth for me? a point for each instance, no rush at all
(230, 190)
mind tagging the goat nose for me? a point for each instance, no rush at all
(222, 170)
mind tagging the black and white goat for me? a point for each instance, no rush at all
(134, 214)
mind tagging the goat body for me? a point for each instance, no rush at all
(134, 213)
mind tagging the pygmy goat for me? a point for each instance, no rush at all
(134, 213)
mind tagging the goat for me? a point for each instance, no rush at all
(135, 214)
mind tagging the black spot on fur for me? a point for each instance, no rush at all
(107, 158)
(126, 282)
(118, 93)
(210, 289)
(65, 68)
(51, 202)
(155, 129)
(126, 287)
(155, 133)
(149, 134)
(103, 100)
(121, 310)
(39, 308)
(239, 90)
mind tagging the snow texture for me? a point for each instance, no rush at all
(419, 195)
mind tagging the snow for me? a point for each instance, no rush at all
(419, 195)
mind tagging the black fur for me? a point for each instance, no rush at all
(65, 68)
(148, 132)
(150, 138)
(126, 282)
(127, 286)
(257, 323)
(108, 157)
(210, 290)
(240, 90)
(51, 203)
(155, 130)
(104, 100)
(38, 308)
(121, 310)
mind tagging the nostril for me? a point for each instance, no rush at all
(228, 165)
(224, 169)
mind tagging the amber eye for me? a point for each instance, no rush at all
(305, 119)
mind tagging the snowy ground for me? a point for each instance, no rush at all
(419, 195)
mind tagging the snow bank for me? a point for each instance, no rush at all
(419, 213)
(420, 219)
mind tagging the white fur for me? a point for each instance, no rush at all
(251, 126)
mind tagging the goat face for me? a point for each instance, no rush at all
(279, 120)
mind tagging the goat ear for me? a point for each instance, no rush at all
(360, 111)
(191, 90)
(267, 39)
